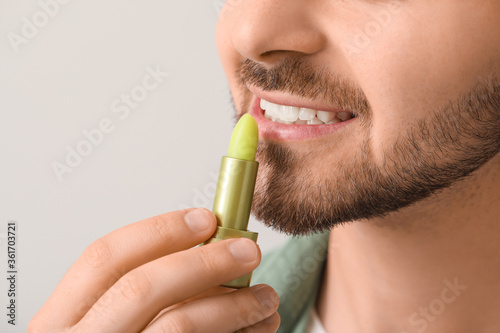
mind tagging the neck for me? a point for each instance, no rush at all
(433, 267)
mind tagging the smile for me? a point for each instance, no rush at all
(293, 123)
(301, 116)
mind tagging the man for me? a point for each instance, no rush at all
(380, 134)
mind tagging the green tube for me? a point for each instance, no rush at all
(235, 187)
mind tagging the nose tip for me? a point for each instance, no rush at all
(267, 30)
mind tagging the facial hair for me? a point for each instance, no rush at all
(435, 153)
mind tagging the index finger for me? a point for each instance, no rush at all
(110, 257)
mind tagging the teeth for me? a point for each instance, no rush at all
(273, 109)
(263, 104)
(301, 116)
(306, 114)
(289, 113)
(325, 116)
(315, 121)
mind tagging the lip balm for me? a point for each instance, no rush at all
(235, 187)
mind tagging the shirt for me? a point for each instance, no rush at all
(294, 270)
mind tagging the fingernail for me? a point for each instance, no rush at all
(198, 220)
(243, 249)
(266, 296)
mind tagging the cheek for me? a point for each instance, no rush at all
(427, 54)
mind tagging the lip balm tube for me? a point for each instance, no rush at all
(235, 187)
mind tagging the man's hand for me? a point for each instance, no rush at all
(148, 277)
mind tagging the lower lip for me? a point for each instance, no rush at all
(284, 132)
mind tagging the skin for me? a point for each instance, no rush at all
(380, 271)
(144, 278)
(386, 273)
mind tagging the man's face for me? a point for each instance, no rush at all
(409, 87)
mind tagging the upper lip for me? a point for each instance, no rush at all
(280, 98)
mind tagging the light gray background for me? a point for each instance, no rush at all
(162, 157)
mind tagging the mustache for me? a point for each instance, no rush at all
(298, 77)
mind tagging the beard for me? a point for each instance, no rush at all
(296, 196)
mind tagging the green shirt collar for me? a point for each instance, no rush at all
(294, 270)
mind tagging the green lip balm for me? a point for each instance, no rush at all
(235, 187)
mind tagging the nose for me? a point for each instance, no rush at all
(267, 30)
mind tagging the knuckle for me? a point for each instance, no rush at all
(158, 226)
(253, 307)
(98, 253)
(249, 306)
(176, 323)
(208, 260)
(253, 316)
(135, 286)
(103, 308)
